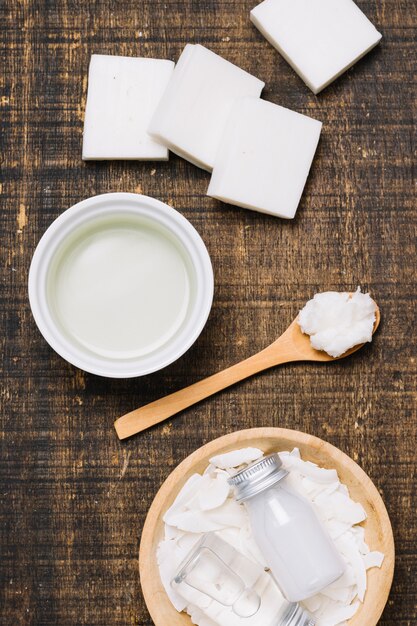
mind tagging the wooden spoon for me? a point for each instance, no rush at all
(291, 346)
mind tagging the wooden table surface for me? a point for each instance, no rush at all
(73, 498)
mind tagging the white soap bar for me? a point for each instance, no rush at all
(123, 93)
(264, 157)
(196, 104)
(320, 39)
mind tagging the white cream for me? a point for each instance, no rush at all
(320, 39)
(340, 515)
(123, 93)
(121, 290)
(192, 113)
(264, 157)
(337, 322)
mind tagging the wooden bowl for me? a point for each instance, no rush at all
(378, 531)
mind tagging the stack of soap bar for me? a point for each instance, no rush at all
(123, 93)
(192, 113)
(264, 157)
(320, 39)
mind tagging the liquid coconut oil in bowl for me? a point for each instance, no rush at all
(124, 288)
(121, 289)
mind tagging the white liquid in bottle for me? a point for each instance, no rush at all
(296, 547)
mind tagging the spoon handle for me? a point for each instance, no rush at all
(158, 411)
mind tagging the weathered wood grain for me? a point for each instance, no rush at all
(72, 497)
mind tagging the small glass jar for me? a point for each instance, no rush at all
(212, 567)
(296, 547)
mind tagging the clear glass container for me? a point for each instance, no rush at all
(210, 568)
(296, 547)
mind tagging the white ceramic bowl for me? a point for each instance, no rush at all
(114, 208)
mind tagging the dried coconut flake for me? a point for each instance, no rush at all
(236, 458)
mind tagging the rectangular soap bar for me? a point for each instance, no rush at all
(194, 108)
(264, 157)
(320, 39)
(123, 93)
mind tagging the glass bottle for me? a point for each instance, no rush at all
(208, 568)
(296, 547)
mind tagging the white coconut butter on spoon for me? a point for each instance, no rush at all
(337, 322)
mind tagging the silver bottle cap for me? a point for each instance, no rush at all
(257, 477)
(296, 616)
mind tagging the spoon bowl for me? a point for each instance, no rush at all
(301, 343)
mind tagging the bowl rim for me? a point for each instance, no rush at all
(94, 209)
(152, 589)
